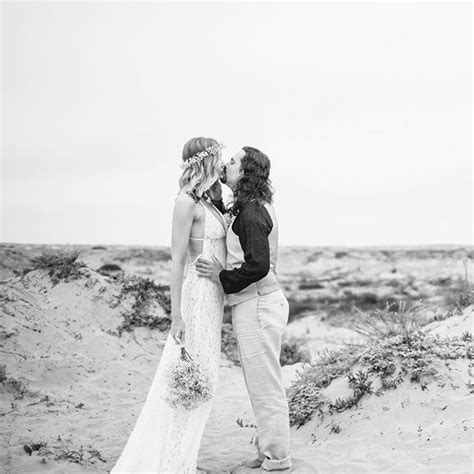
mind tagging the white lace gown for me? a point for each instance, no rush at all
(167, 440)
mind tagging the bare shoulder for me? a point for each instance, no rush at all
(185, 205)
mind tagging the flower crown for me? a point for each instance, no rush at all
(198, 157)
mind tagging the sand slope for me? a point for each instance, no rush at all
(85, 387)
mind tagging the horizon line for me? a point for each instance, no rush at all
(321, 246)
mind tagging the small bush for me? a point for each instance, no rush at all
(461, 293)
(416, 356)
(293, 351)
(459, 301)
(304, 401)
(62, 265)
(109, 268)
(344, 305)
(304, 395)
(144, 292)
(229, 343)
(364, 300)
(310, 285)
(360, 384)
(392, 359)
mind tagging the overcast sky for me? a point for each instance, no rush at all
(364, 110)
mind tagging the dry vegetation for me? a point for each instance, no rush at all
(90, 380)
(397, 349)
(61, 266)
(144, 293)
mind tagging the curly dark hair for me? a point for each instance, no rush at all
(255, 183)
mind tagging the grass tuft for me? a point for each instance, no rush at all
(61, 265)
(394, 319)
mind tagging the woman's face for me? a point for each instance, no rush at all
(231, 171)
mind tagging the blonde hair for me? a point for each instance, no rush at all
(199, 177)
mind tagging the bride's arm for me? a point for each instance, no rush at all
(183, 217)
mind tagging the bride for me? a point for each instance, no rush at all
(166, 439)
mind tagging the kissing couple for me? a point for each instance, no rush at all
(231, 254)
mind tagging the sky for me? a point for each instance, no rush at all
(365, 110)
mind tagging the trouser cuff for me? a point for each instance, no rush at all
(276, 464)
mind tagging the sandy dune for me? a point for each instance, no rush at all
(78, 384)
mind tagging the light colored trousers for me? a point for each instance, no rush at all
(258, 325)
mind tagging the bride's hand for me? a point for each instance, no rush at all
(178, 329)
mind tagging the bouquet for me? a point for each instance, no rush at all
(188, 384)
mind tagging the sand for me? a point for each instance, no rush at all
(85, 387)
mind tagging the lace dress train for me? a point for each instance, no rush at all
(166, 439)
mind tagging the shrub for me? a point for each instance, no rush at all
(310, 285)
(458, 301)
(229, 343)
(304, 401)
(365, 300)
(61, 265)
(360, 384)
(293, 351)
(415, 357)
(390, 358)
(109, 268)
(304, 397)
(461, 294)
(144, 292)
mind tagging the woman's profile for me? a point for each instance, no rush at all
(167, 438)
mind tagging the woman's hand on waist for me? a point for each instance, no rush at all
(209, 268)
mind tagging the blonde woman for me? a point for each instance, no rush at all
(166, 439)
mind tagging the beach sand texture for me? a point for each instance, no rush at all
(71, 383)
